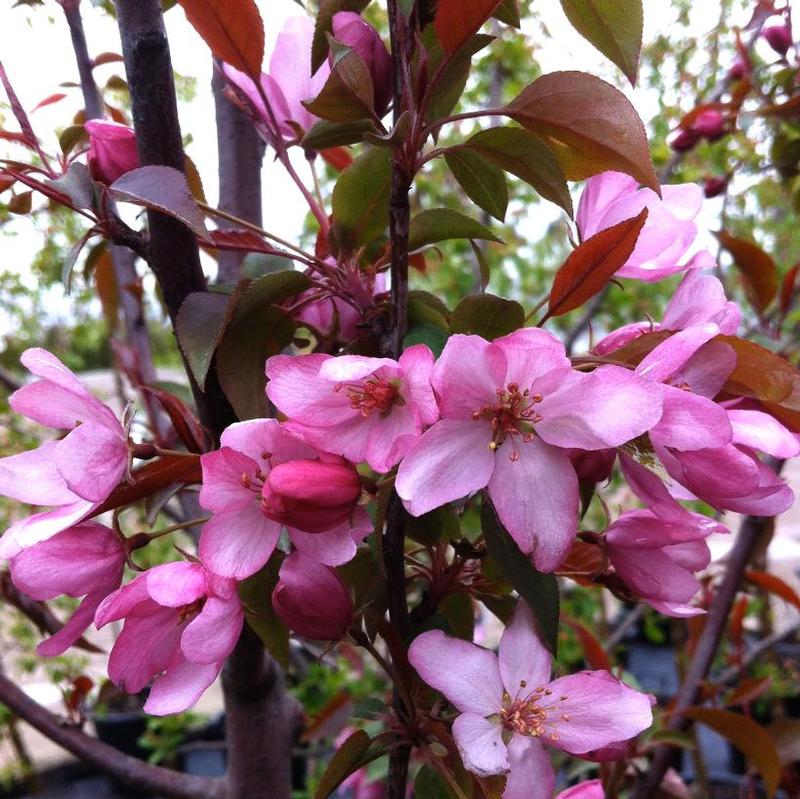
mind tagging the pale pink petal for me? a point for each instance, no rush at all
(525, 663)
(723, 471)
(536, 499)
(669, 356)
(258, 438)
(593, 789)
(622, 336)
(337, 546)
(75, 627)
(677, 610)
(706, 372)
(238, 543)
(349, 368)
(390, 438)
(92, 460)
(530, 766)
(698, 297)
(224, 474)
(465, 376)
(33, 477)
(599, 192)
(180, 687)
(599, 708)
(649, 488)
(530, 353)
(480, 742)
(120, 603)
(41, 526)
(213, 633)
(691, 422)
(761, 431)
(246, 86)
(417, 364)
(652, 574)
(467, 674)
(582, 411)
(450, 461)
(176, 584)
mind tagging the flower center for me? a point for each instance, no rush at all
(188, 612)
(512, 415)
(375, 394)
(535, 715)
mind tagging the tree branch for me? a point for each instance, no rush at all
(129, 769)
(716, 622)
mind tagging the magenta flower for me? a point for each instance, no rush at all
(367, 409)
(778, 35)
(591, 789)
(85, 561)
(509, 410)
(657, 558)
(709, 123)
(509, 706)
(311, 599)
(181, 622)
(75, 474)
(669, 231)
(239, 538)
(112, 149)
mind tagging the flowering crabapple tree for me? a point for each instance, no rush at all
(372, 466)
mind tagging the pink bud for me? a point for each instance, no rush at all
(713, 187)
(738, 69)
(312, 496)
(112, 149)
(685, 140)
(350, 29)
(709, 123)
(778, 36)
(311, 599)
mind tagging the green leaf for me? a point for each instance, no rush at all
(487, 315)
(326, 134)
(324, 25)
(361, 200)
(525, 155)
(430, 528)
(346, 760)
(459, 613)
(348, 94)
(434, 338)
(508, 12)
(540, 591)
(484, 183)
(614, 27)
(590, 126)
(430, 784)
(255, 593)
(442, 224)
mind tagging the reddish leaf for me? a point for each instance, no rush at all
(592, 264)
(106, 58)
(736, 626)
(337, 157)
(457, 20)
(105, 281)
(188, 428)
(758, 270)
(41, 187)
(240, 240)
(748, 690)
(584, 560)
(774, 585)
(53, 98)
(595, 655)
(761, 374)
(20, 138)
(152, 477)
(6, 182)
(233, 29)
(787, 289)
(16, 106)
(590, 126)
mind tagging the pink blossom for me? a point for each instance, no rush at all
(85, 561)
(509, 707)
(611, 197)
(778, 35)
(75, 474)
(239, 538)
(311, 599)
(510, 409)
(112, 149)
(181, 622)
(591, 789)
(657, 558)
(709, 123)
(367, 409)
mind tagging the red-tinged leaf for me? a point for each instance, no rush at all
(788, 286)
(76, 698)
(758, 270)
(457, 20)
(761, 374)
(16, 107)
(106, 58)
(240, 240)
(584, 560)
(164, 189)
(193, 435)
(152, 477)
(596, 657)
(785, 416)
(233, 29)
(20, 203)
(751, 739)
(19, 138)
(748, 690)
(592, 264)
(6, 182)
(51, 100)
(590, 126)
(345, 761)
(774, 585)
(105, 282)
(736, 625)
(337, 157)
(40, 186)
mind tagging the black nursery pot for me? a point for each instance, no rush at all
(122, 730)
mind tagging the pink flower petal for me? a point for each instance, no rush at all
(530, 766)
(593, 789)
(211, 636)
(530, 353)
(120, 603)
(467, 674)
(599, 192)
(337, 546)
(450, 461)
(761, 431)
(417, 365)
(41, 526)
(75, 627)
(480, 742)
(525, 663)
(536, 499)
(669, 356)
(224, 471)
(180, 687)
(176, 584)
(691, 422)
(259, 437)
(348, 368)
(706, 372)
(33, 477)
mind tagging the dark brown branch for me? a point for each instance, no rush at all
(747, 540)
(8, 381)
(240, 150)
(129, 769)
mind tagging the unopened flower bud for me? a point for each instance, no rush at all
(738, 69)
(112, 150)
(709, 123)
(778, 36)
(714, 186)
(311, 495)
(311, 599)
(685, 140)
(351, 29)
